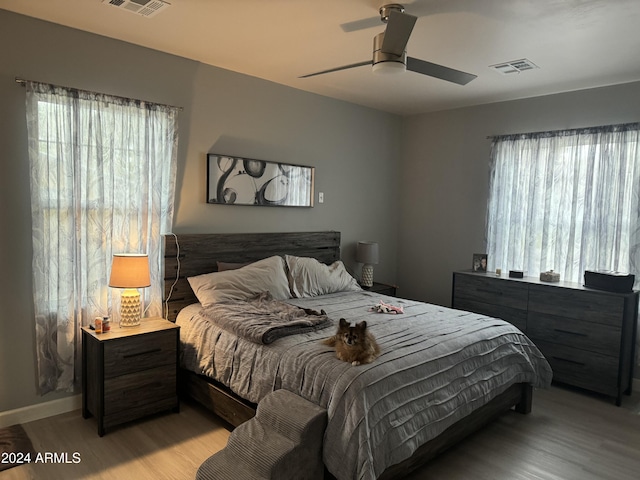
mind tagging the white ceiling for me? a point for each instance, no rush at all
(576, 43)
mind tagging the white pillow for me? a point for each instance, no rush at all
(242, 283)
(309, 278)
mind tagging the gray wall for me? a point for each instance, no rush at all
(445, 176)
(355, 151)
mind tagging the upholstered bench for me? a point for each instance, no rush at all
(283, 441)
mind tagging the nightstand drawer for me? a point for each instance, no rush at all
(594, 337)
(382, 289)
(139, 389)
(138, 353)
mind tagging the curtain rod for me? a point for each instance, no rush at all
(23, 82)
(568, 130)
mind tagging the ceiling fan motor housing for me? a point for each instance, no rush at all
(385, 11)
(387, 62)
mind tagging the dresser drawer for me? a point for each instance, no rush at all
(515, 316)
(141, 352)
(582, 305)
(496, 291)
(593, 337)
(139, 389)
(589, 370)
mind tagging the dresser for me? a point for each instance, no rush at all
(129, 372)
(588, 336)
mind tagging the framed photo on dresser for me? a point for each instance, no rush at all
(479, 262)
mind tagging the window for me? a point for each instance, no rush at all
(102, 182)
(566, 201)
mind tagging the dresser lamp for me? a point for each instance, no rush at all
(130, 271)
(367, 254)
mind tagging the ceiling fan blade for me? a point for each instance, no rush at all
(439, 71)
(344, 67)
(396, 36)
(360, 24)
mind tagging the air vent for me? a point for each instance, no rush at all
(145, 8)
(514, 66)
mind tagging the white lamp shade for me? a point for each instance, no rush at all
(367, 252)
(130, 270)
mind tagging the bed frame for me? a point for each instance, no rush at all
(194, 254)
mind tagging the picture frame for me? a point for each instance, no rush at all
(479, 263)
(246, 181)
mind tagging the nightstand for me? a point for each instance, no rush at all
(130, 372)
(382, 288)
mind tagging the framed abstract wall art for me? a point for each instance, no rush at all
(245, 181)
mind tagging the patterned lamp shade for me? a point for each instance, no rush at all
(130, 271)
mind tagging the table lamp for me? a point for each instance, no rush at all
(367, 253)
(130, 271)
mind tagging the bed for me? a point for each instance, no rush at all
(429, 388)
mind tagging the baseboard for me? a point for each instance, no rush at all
(40, 410)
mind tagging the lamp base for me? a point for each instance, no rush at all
(367, 275)
(130, 309)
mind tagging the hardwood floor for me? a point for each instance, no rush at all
(167, 446)
(569, 435)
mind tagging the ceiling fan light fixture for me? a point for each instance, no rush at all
(388, 68)
(387, 63)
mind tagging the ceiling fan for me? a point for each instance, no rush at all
(389, 51)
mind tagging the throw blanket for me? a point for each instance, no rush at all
(264, 320)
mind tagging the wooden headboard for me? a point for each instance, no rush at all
(198, 253)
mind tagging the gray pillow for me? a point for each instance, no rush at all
(266, 275)
(309, 278)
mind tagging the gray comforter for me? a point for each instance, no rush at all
(437, 365)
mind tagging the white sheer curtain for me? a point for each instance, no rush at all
(567, 201)
(102, 182)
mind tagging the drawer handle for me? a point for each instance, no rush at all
(146, 352)
(147, 386)
(570, 332)
(486, 290)
(569, 361)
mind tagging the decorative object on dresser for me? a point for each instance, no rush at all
(609, 281)
(129, 373)
(367, 254)
(479, 262)
(588, 336)
(549, 276)
(130, 271)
